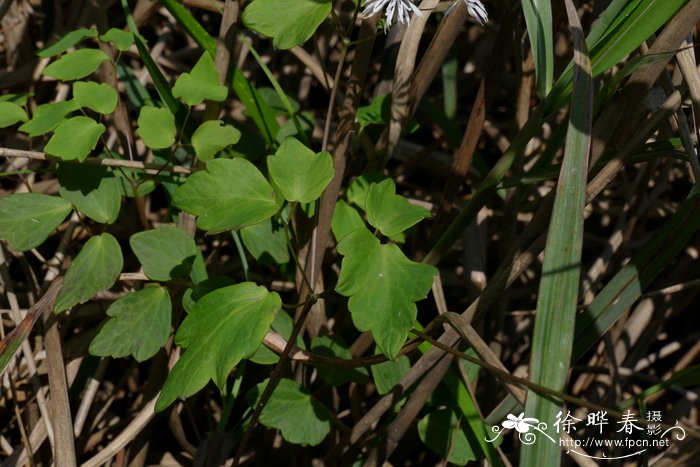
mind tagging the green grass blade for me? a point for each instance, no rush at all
(12, 341)
(256, 107)
(558, 293)
(627, 285)
(191, 25)
(486, 190)
(633, 23)
(477, 428)
(450, 71)
(159, 81)
(280, 92)
(684, 378)
(538, 17)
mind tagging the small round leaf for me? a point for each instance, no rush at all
(27, 219)
(102, 98)
(156, 127)
(122, 40)
(201, 84)
(213, 136)
(48, 116)
(11, 113)
(301, 174)
(75, 138)
(76, 65)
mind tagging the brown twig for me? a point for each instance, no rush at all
(136, 165)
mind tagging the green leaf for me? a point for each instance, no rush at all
(277, 104)
(11, 113)
(282, 325)
(334, 346)
(66, 42)
(387, 374)
(378, 112)
(75, 138)
(97, 267)
(266, 240)
(161, 84)
(383, 286)
(230, 194)
(346, 220)
(300, 126)
(48, 116)
(92, 189)
(195, 30)
(538, 17)
(357, 191)
(622, 27)
(122, 40)
(213, 136)
(76, 65)
(166, 253)
(19, 99)
(139, 325)
(301, 418)
(255, 106)
(201, 84)
(102, 98)
(684, 378)
(194, 294)
(389, 212)
(224, 327)
(442, 432)
(288, 22)
(558, 297)
(27, 219)
(301, 174)
(156, 127)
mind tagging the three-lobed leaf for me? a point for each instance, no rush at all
(122, 40)
(97, 267)
(11, 113)
(211, 137)
(48, 116)
(74, 138)
(92, 189)
(139, 325)
(301, 174)
(389, 212)
(346, 220)
(442, 432)
(224, 327)
(27, 219)
(387, 374)
(102, 98)
(300, 417)
(156, 127)
(383, 286)
(357, 191)
(230, 194)
(288, 22)
(201, 84)
(76, 65)
(266, 240)
(334, 346)
(166, 253)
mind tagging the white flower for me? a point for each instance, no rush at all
(475, 8)
(520, 423)
(398, 8)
